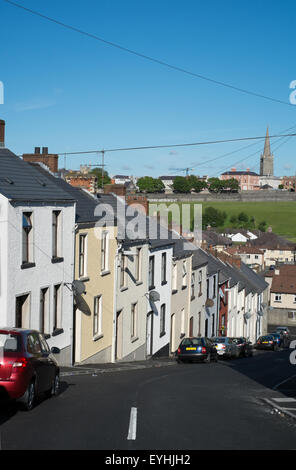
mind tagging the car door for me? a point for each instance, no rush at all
(49, 363)
(36, 358)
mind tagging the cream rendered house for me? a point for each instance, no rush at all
(95, 255)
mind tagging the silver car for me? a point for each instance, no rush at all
(226, 347)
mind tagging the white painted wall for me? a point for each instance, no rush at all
(15, 281)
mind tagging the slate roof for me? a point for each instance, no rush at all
(87, 206)
(285, 281)
(22, 182)
(270, 240)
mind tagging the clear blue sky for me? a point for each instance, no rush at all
(71, 93)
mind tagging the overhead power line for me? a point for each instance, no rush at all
(147, 57)
(186, 144)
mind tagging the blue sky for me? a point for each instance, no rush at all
(68, 92)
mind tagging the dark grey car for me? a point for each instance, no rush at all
(226, 347)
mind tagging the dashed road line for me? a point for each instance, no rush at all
(132, 430)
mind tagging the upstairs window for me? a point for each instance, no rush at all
(27, 235)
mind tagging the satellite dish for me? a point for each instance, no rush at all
(78, 287)
(154, 296)
(81, 304)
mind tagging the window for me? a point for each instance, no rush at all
(104, 251)
(82, 255)
(294, 298)
(33, 344)
(134, 320)
(151, 272)
(122, 271)
(208, 289)
(138, 274)
(192, 285)
(214, 287)
(183, 321)
(163, 268)
(22, 311)
(292, 316)
(200, 283)
(162, 320)
(97, 326)
(278, 297)
(44, 311)
(56, 234)
(184, 274)
(27, 234)
(57, 307)
(174, 277)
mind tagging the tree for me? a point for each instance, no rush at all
(243, 218)
(98, 173)
(262, 226)
(148, 184)
(215, 185)
(199, 185)
(213, 217)
(233, 220)
(182, 184)
(232, 184)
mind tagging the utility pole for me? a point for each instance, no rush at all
(103, 158)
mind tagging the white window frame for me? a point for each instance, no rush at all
(98, 314)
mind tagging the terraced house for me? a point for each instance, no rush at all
(36, 253)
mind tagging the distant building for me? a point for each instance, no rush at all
(270, 182)
(79, 180)
(248, 180)
(282, 296)
(289, 183)
(120, 179)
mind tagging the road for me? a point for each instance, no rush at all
(189, 406)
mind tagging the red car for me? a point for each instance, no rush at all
(27, 366)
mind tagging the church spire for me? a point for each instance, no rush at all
(267, 152)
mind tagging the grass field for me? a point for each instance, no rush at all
(281, 216)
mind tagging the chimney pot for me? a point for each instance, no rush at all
(37, 150)
(45, 150)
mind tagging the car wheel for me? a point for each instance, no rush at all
(208, 358)
(55, 387)
(27, 401)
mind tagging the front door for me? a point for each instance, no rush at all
(191, 327)
(118, 339)
(149, 335)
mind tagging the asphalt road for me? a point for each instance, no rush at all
(178, 407)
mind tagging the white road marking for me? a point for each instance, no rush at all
(132, 430)
(284, 381)
(285, 400)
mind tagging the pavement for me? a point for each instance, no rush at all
(91, 369)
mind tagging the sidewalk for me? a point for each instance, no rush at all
(94, 369)
(285, 401)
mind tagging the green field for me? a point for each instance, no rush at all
(281, 216)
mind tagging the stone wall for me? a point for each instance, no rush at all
(245, 196)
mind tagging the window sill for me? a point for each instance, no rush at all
(98, 336)
(162, 334)
(174, 291)
(124, 288)
(134, 339)
(139, 283)
(184, 287)
(192, 298)
(28, 265)
(57, 331)
(84, 279)
(151, 287)
(105, 273)
(57, 260)
(163, 283)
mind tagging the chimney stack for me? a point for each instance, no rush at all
(2, 133)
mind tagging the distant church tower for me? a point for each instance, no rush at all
(266, 159)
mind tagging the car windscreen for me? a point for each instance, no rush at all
(192, 342)
(9, 343)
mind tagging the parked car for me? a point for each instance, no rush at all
(279, 338)
(285, 330)
(267, 342)
(245, 346)
(196, 349)
(226, 347)
(27, 366)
